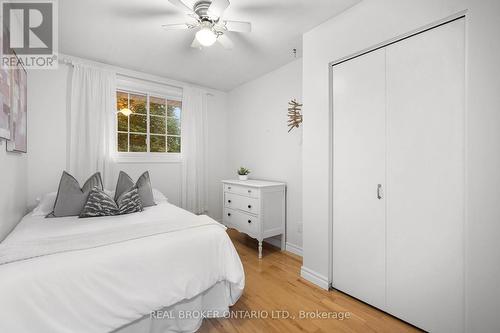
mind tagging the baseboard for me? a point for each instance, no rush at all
(273, 241)
(288, 246)
(294, 249)
(313, 277)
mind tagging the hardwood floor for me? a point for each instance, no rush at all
(274, 284)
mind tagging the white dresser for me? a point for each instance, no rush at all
(256, 208)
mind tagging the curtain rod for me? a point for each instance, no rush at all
(128, 73)
(72, 61)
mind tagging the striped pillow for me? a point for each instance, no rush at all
(99, 203)
(129, 201)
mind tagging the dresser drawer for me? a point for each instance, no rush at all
(256, 208)
(242, 222)
(242, 190)
(247, 204)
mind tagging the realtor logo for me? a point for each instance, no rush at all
(29, 34)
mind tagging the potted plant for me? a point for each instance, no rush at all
(243, 173)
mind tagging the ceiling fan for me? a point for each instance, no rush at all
(206, 17)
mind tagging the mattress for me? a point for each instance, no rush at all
(104, 286)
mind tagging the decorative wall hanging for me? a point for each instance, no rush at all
(294, 115)
(5, 84)
(4, 105)
(19, 111)
(13, 103)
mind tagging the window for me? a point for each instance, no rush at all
(153, 126)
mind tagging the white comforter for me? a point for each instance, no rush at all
(94, 287)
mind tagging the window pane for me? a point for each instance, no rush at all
(123, 142)
(138, 123)
(157, 144)
(174, 126)
(163, 119)
(121, 100)
(122, 122)
(157, 125)
(138, 143)
(157, 106)
(174, 144)
(174, 109)
(138, 104)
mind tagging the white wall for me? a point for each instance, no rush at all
(13, 188)
(259, 139)
(48, 122)
(217, 153)
(375, 21)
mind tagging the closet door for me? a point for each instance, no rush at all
(358, 167)
(425, 168)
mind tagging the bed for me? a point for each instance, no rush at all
(108, 274)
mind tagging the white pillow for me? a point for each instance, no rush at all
(159, 197)
(45, 204)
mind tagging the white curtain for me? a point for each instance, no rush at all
(93, 104)
(194, 159)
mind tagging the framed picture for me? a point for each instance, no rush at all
(19, 111)
(5, 93)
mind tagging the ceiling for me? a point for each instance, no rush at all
(128, 33)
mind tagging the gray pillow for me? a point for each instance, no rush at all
(143, 185)
(70, 197)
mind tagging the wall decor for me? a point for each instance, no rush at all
(5, 114)
(19, 111)
(294, 116)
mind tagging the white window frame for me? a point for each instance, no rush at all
(131, 86)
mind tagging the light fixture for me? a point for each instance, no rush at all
(206, 36)
(126, 112)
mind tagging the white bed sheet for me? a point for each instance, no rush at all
(101, 289)
(185, 316)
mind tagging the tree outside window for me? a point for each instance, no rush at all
(153, 126)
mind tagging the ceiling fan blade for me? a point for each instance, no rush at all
(225, 41)
(195, 44)
(181, 5)
(217, 8)
(179, 26)
(238, 26)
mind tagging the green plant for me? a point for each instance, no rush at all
(243, 171)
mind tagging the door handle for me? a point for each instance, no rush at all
(379, 191)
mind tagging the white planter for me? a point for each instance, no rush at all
(245, 177)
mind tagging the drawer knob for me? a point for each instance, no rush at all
(249, 206)
(249, 221)
(228, 214)
(229, 201)
(229, 187)
(249, 191)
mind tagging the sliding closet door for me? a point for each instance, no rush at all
(425, 168)
(359, 165)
